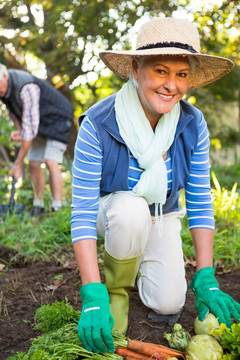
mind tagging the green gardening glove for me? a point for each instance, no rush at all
(96, 323)
(209, 297)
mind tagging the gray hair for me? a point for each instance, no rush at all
(131, 77)
(3, 71)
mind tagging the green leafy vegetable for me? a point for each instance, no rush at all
(52, 317)
(205, 326)
(229, 340)
(60, 340)
(178, 338)
(203, 347)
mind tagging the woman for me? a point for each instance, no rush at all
(135, 151)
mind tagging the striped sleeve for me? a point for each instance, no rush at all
(134, 172)
(198, 190)
(168, 162)
(86, 171)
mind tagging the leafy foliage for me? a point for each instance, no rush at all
(57, 30)
(62, 40)
(34, 241)
(5, 128)
(51, 317)
(229, 340)
(227, 175)
(60, 340)
(226, 204)
(48, 32)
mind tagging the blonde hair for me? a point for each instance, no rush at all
(3, 71)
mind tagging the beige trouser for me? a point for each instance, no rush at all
(43, 148)
(129, 230)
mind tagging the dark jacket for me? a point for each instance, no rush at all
(56, 112)
(116, 153)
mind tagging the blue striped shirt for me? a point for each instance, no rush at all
(87, 170)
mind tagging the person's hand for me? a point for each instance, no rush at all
(16, 171)
(16, 136)
(210, 298)
(96, 323)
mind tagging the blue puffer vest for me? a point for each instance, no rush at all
(116, 153)
(56, 112)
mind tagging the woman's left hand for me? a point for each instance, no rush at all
(210, 298)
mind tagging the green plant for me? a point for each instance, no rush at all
(227, 175)
(229, 340)
(6, 127)
(203, 347)
(204, 326)
(60, 340)
(46, 238)
(226, 205)
(51, 317)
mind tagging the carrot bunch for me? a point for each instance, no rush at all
(145, 351)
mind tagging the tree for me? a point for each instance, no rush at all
(66, 36)
(220, 35)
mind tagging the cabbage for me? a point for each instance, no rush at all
(204, 327)
(203, 347)
(178, 338)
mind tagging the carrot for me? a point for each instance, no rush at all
(172, 352)
(129, 354)
(147, 349)
(131, 357)
(150, 358)
(153, 350)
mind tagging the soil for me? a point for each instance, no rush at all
(25, 287)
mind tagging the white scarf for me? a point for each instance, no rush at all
(147, 146)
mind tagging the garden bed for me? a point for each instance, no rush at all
(24, 288)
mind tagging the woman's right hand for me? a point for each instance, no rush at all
(96, 323)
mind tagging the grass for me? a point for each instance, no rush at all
(226, 205)
(228, 175)
(227, 216)
(50, 238)
(33, 239)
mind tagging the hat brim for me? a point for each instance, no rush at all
(210, 67)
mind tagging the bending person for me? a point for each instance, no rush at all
(43, 118)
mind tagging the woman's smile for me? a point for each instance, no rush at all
(165, 97)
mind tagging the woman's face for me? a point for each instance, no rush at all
(162, 82)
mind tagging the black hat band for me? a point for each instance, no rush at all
(168, 45)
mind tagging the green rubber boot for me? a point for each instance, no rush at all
(120, 277)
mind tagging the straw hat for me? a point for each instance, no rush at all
(170, 36)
